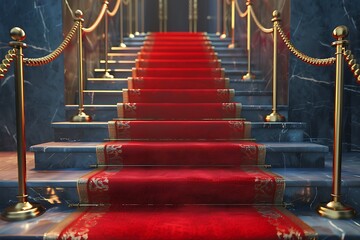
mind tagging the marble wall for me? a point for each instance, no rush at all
(44, 86)
(311, 88)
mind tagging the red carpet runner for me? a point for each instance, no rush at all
(181, 164)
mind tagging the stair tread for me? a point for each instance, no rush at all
(91, 146)
(36, 229)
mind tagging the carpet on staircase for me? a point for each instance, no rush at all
(181, 164)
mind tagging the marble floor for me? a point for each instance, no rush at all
(57, 210)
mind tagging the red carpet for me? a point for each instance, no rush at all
(178, 83)
(180, 164)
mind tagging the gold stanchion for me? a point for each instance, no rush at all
(137, 17)
(248, 75)
(232, 44)
(81, 116)
(335, 209)
(106, 74)
(142, 17)
(195, 15)
(223, 35)
(130, 17)
(191, 15)
(275, 116)
(122, 44)
(161, 15)
(165, 15)
(218, 16)
(23, 209)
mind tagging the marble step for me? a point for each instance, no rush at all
(218, 49)
(120, 83)
(127, 72)
(60, 155)
(253, 113)
(139, 43)
(105, 97)
(36, 228)
(229, 56)
(128, 64)
(304, 190)
(98, 131)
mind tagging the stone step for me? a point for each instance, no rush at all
(120, 83)
(253, 113)
(124, 73)
(139, 43)
(304, 190)
(36, 228)
(105, 97)
(59, 155)
(128, 64)
(98, 131)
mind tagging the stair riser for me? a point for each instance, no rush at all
(97, 134)
(299, 197)
(218, 49)
(114, 98)
(256, 115)
(238, 85)
(82, 160)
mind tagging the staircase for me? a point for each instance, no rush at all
(75, 148)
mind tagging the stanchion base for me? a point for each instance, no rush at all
(22, 211)
(222, 36)
(231, 45)
(123, 45)
(218, 33)
(108, 75)
(248, 76)
(274, 117)
(137, 33)
(81, 117)
(131, 35)
(335, 210)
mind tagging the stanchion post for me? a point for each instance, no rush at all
(106, 20)
(161, 16)
(223, 35)
(249, 75)
(195, 15)
(130, 17)
(142, 17)
(218, 16)
(137, 17)
(275, 116)
(335, 209)
(232, 44)
(81, 116)
(191, 15)
(122, 44)
(23, 209)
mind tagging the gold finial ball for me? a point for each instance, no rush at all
(340, 32)
(276, 14)
(17, 34)
(79, 14)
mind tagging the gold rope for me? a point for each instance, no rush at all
(51, 57)
(299, 54)
(98, 20)
(355, 68)
(257, 22)
(5, 63)
(116, 8)
(241, 13)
